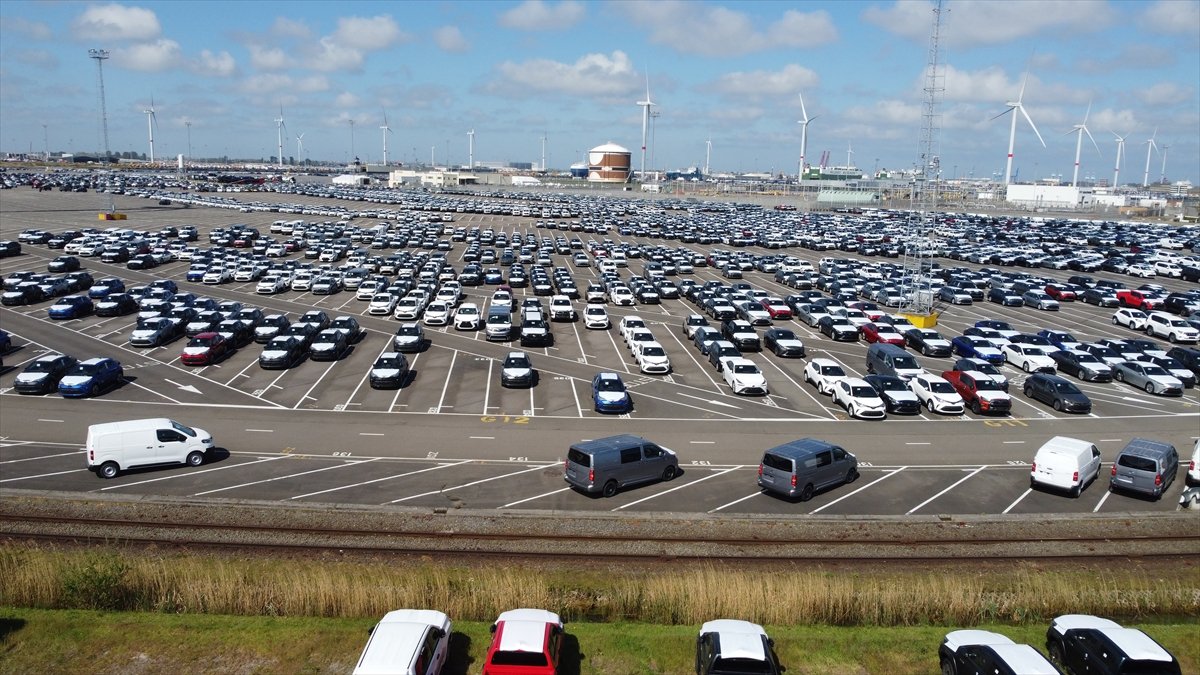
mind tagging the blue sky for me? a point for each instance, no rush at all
(573, 71)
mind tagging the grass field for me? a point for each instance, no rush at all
(65, 610)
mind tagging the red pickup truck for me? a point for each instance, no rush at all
(1131, 297)
(981, 393)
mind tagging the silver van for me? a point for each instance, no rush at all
(605, 465)
(800, 468)
(1144, 466)
(889, 359)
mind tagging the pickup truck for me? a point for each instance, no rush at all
(981, 393)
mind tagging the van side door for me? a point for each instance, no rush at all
(653, 461)
(629, 468)
(824, 469)
(171, 446)
(1093, 467)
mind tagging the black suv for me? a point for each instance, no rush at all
(1188, 356)
(1089, 644)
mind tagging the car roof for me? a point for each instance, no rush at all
(1024, 659)
(1068, 622)
(739, 639)
(1136, 644)
(959, 638)
(397, 639)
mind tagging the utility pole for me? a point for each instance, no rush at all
(471, 150)
(352, 155)
(100, 55)
(188, 124)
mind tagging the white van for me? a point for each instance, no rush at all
(1193, 474)
(407, 642)
(1066, 464)
(115, 446)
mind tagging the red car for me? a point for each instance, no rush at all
(881, 332)
(205, 349)
(981, 393)
(1060, 293)
(777, 308)
(525, 642)
(1129, 297)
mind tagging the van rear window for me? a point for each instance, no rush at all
(1138, 463)
(580, 458)
(776, 462)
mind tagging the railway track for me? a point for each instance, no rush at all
(370, 531)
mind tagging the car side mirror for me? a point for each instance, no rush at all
(493, 628)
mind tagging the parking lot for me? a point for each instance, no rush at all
(455, 388)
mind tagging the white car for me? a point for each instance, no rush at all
(628, 324)
(407, 308)
(407, 641)
(437, 314)
(823, 373)
(1193, 472)
(652, 358)
(1029, 358)
(270, 285)
(743, 377)
(938, 395)
(1133, 319)
(596, 317)
(467, 317)
(216, 276)
(638, 337)
(1140, 270)
(1173, 328)
(382, 304)
(859, 399)
(561, 309)
(755, 313)
(621, 296)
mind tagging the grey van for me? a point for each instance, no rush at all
(1144, 466)
(605, 465)
(889, 359)
(800, 468)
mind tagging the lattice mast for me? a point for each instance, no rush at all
(918, 251)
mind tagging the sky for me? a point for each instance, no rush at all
(732, 73)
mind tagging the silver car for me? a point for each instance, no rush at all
(1153, 378)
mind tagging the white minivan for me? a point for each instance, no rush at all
(407, 642)
(115, 446)
(1066, 464)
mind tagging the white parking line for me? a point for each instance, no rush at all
(1018, 500)
(446, 385)
(529, 499)
(956, 484)
(378, 480)
(487, 390)
(472, 483)
(386, 346)
(306, 396)
(680, 487)
(887, 475)
(737, 501)
(30, 459)
(41, 475)
(1102, 500)
(187, 474)
(290, 475)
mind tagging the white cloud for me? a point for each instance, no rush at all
(1172, 16)
(743, 114)
(593, 75)
(1131, 56)
(268, 58)
(1165, 94)
(691, 28)
(346, 100)
(539, 15)
(35, 30)
(215, 65)
(39, 58)
(757, 84)
(116, 22)
(1104, 123)
(330, 55)
(150, 57)
(269, 83)
(886, 112)
(972, 22)
(284, 27)
(368, 33)
(450, 39)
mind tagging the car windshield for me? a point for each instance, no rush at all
(832, 371)
(863, 392)
(85, 369)
(40, 366)
(941, 387)
(905, 362)
(610, 384)
(988, 385)
(514, 362)
(891, 384)
(465, 311)
(745, 368)
(388, 362)
(200, 342)
(1154, 370)
(528, 659)
(655, 351)
(1065, 388)
(741, 666)
(408, 330)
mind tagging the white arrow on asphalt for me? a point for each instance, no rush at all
(709, 401)
(185, 387)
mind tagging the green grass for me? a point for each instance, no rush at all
(86, 641)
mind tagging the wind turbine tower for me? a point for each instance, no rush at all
(543, 152)
(646, 104)
(1150, 147)
(1120, 156)
(1161, 179)
(1014, 106)
(386, 130)
(151, 122)
(803, 122)
(471, 149)
(849, 155)
(300, 148)
(1081, 129)
(279, 130)
(707, 155)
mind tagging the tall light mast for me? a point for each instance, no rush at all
(101, 55)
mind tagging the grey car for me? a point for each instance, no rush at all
(1057, 392)
(1153, 378)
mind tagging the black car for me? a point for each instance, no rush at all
(42, 374)
(972, 652)
(721, 349)
(1057, 392)
(742, 334)
(1082, 365)
(25, 294)
(270, 326)
(281, 352)
(1087, 644)
(895, 393)
(117, 304)
(928, 342)
(389, 371)
(329, 345)
(783, 342)
(837, 328)
(63, 263)
(1188, 356)
(144, 261)
(517, 371)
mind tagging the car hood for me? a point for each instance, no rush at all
(516, 372)
(993, 396)
(274, 353)
(385, 372)
(900, 395)
(195, 351)
(611, 396)
(31, 377)
(1166, 380)
(143, 332)
(75, 380)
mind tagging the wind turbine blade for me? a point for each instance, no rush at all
(1085, 114)
(1035, 129)
(1003, 113)
(1093, 140)
(802, 110)
(1025, 81)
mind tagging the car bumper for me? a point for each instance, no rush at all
(195, 360)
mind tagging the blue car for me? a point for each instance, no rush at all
(609, 394)
(106, 287)
(1060, 338)
(71, 307)
(973, 347)
(196, 274)
(89, 378)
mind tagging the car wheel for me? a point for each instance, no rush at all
(976, 408)
(1058, 404)
(1028, 391)
(1027, 367)
(1055, 648)
(109, 470)
(1149, 330)
(610, 488)
(1172, 338)
(1075, 493)
(669, 473)
(1120, 376)
(95, 391)
(851, 476)
(195, 458)
(1149, 387)
(1115, 322)
(807, 493)
(948, 667)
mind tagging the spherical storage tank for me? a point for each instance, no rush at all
(609, 163)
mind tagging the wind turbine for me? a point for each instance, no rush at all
(1162, 178)
(1012, 133)
(1120, 156)
(471, 149)
(803, 135)
(1150, 146)
(279, 130)
(151, 122)
(1081, 129)
(300, 147)
(645, 123)
(386, 130)
(849, 155)
(707, 155)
